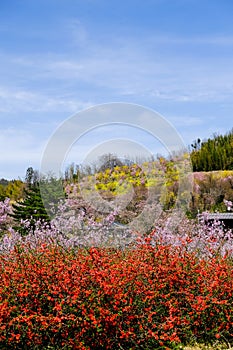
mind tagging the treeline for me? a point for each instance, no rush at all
(213, 154)
(13, 189)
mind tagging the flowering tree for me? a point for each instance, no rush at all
(30, 209)
(5, 211)
(228, 204)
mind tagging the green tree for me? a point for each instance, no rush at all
(15, 190)
(2, 192)
(213, 154)
(30, 209)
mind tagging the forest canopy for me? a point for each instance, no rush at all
(213, 154)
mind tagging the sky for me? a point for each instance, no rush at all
(61, 57)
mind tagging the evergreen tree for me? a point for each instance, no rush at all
(213, 154)
(30, 209)
(41, 198)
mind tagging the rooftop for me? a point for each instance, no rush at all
(219, 216)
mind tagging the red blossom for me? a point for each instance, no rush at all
(143, 297)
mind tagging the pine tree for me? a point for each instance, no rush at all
(30, 209)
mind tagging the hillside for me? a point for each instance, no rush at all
(208, 192)
(212, 162)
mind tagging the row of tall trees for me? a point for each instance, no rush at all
(213, 154)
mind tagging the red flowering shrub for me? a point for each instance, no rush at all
(141, 298)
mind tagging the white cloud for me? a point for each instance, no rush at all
(21, 147)
(17, 101)
(121, 68)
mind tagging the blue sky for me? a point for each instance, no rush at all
(58, 57)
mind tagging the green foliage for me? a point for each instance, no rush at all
(30, 209)
(11, 189)
(31, 177)
(38, 197)
(213, 154)
(52, 192)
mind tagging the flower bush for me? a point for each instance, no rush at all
(5, 219)
(146, 297)
(80, 283)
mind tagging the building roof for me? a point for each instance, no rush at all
(219, 216)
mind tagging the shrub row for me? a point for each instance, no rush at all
(148, 297)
